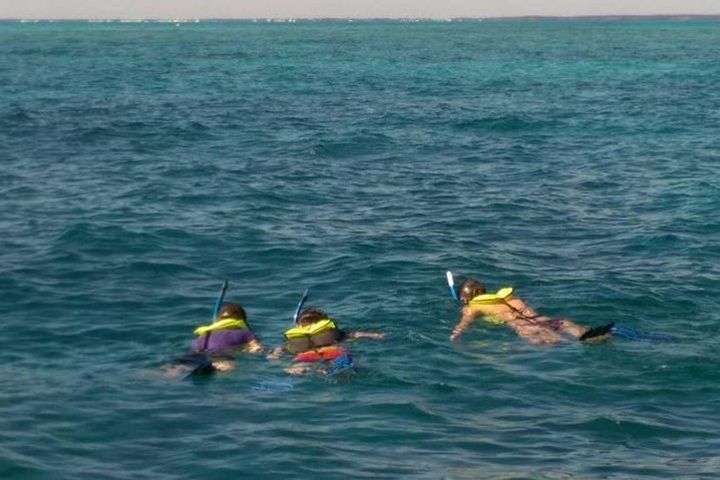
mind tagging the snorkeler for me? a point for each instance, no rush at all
(503, 307)
(315, 342)
(216, 343)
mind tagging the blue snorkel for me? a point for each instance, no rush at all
(216, 310)
(300, 304)
(219, 301)
(204, 365)
(451, 284)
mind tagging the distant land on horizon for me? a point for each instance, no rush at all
(676, 17)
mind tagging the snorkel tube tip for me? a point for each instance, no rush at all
(300, 304)
(219, 301)
(451, 285)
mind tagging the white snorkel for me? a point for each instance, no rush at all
(451, 284)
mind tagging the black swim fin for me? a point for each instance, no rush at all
(597, 332)
(200, 363)
(205, 368)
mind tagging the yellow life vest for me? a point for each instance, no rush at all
(496, 298)
(224, 324)
(322, 333)
(493, 319)
(493, 298)
(322, 325)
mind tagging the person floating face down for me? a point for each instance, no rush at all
(219, 341)
(503, 307)
(316, 341)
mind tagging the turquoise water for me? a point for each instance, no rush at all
(142, 164)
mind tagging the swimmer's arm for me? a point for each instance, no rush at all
(468, 317)
(369, 335)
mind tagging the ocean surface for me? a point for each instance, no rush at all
(143, 164)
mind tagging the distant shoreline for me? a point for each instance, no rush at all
(687, 17)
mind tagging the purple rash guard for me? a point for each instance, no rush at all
(222, 341)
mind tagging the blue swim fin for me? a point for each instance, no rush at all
(636, 335)
(341, 364)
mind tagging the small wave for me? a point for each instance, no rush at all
(510, 123)
(91, 134)
(16, 115)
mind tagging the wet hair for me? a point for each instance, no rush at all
(232, 310)
(469, 289)
(310, 316)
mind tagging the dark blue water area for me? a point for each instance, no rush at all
(142, 164)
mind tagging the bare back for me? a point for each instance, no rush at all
(523, 319)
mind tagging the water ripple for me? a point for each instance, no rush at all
(145, 163)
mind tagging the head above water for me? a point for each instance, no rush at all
(310, 316)
(231, 310)
(469, 289)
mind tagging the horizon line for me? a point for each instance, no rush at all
(674, 16)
